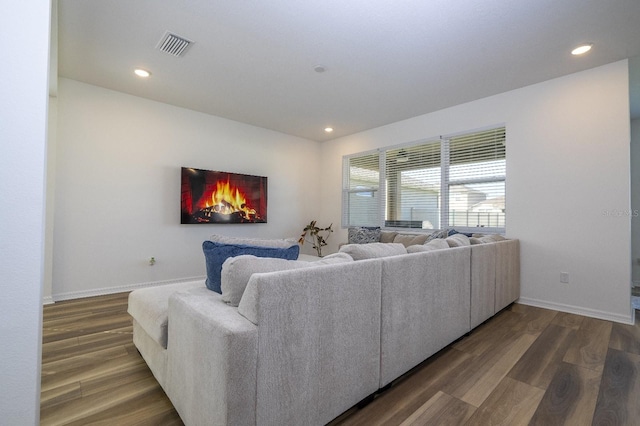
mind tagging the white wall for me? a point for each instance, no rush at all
(23, 129)
(635, 200)
(567, 176)
(50, 178)
(118, 187)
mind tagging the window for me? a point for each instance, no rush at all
(360, 196)
(454, 181)
(413, 184)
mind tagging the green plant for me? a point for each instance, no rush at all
(319, 236)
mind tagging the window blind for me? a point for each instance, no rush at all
(361, 180)
(413, 177)
(476, 181)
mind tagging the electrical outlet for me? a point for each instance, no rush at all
(564, 277)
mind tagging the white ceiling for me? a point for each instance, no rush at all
(253, 61)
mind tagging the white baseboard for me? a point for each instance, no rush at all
(118, 289)
(48, 300)
(593, 313)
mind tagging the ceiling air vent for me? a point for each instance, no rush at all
(174, 44)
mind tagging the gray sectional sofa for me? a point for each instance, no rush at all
(306, 344)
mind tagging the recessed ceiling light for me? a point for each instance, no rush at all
(142, 73)
(582, 49)
(328, 129)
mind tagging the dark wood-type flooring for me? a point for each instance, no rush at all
(525, 366)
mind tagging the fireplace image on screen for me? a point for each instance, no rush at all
(221, 197)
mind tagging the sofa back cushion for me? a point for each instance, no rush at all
(437, 244)
(492, 238)
(387, 236)
(411, 239)
(216, 253)
(236, 271)
(258, 242)
(373, 250)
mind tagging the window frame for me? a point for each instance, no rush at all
(445, 183)
(347, 190)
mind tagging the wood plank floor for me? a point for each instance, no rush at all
(92, 372)
(525, 366)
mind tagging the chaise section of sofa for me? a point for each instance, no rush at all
(212, 360)
(149, 308)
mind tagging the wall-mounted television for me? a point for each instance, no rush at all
(221, 197)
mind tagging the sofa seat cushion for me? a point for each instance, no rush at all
(150, 308)
(216, 253)
(373, 250)
(236, 271)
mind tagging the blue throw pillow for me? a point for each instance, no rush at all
(216, 253)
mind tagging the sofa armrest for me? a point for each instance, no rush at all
(507, 272)
(212, 360)
(483, 283)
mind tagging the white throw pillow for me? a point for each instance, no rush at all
(236, 271)
(458, 240)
